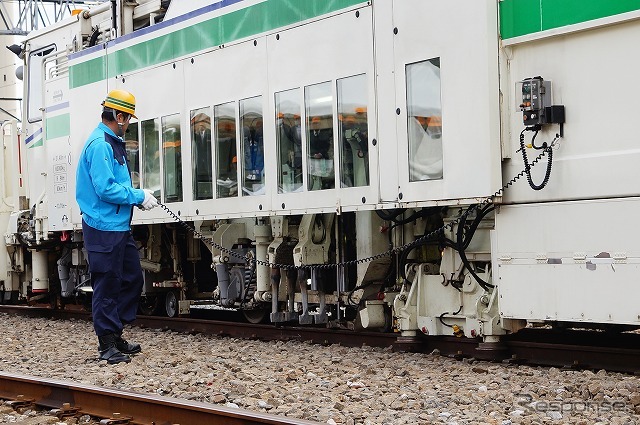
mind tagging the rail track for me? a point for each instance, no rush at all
(124, 407)
(571, 349)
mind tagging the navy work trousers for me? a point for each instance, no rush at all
(116, 277)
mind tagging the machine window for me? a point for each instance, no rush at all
(226, 154)
(289, 141)
(132, 146)
(353, 128)
(172, 158)
(424, 120)
(151, 156)
(201, 158)
(36, 80)
(252, 146)
(319, 109)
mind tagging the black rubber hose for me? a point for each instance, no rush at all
(463, 241)
(94, 38)
(389, 215)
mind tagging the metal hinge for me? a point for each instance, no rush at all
(579, 257)
(619, 257)
(506, 258)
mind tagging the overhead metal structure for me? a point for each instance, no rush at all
(19, 17)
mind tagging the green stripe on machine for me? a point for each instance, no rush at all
(88, 72)
(522, 17)
(36, 144)
(58, 126)
(250, 21)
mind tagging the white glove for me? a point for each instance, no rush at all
(150, 201)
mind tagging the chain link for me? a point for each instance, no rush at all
(390, 252)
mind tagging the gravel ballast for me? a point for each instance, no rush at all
(328, 384)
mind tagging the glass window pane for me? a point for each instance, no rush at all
(201, 158)
(35, 80)
(318, 100)
(151, 156)
(172, 156)
(424, 120)
(352, 125)
(289, 141)
(226, 158)
(252, 146)
(133, 153)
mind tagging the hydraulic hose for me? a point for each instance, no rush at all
(94, 37)
(463, 239)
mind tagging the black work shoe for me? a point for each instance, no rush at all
(109, 351)
(126, 347)
(114, 356)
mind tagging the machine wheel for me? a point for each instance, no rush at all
(171, 304)
(149, 305)
(255, 316)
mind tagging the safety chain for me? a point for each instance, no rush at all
(383, 254)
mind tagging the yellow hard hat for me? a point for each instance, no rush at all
(121, 100)
(434, 121)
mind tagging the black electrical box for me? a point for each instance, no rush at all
(554, 114)
(536, 96)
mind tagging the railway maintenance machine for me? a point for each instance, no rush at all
(420, 166)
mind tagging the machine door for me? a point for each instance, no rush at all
(446, 105)
(60, 171)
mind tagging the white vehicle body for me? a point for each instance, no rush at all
(335, 130)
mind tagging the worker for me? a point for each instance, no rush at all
(106, 199)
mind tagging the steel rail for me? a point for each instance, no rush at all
(264, 332)
(585, 349)
(576, 349)
(142, 409)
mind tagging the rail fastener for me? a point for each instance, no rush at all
(22, 403)
(66, 411)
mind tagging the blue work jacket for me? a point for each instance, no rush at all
(103, 183)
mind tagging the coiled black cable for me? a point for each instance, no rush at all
(527, 167)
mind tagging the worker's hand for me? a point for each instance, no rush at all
(150, 201)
